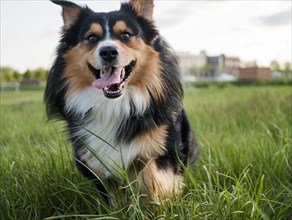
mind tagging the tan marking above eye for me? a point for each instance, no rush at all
(95, 29)
(120, 27)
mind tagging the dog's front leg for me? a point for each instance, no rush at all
(160, 182)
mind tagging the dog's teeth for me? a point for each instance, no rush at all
(123, 74)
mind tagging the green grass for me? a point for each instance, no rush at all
(244, 171)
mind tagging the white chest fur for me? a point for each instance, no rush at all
(101, 153)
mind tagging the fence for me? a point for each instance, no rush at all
(10, 87)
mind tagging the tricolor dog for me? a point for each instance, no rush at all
(117, 84)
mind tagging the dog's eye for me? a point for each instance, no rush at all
(92, 39)
(125, 35)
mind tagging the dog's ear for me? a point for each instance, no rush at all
(144, 8)
(70, 12)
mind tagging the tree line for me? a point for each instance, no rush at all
(9, 74)
(286, 68)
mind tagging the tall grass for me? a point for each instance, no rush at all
(244, 171)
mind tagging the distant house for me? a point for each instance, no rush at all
(216, 64)
(192, 64)
(232, 65)
(254, 73)
(223, 64)
(206, 67)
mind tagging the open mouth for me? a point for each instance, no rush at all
(112, 79)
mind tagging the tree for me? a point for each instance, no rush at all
(193, 70)
(28, 74)
(6, 74)
(288, 69)
(40, 73)
(16, 75)
(274, 66)
(206, 70)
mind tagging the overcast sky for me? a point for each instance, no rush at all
(251, 30)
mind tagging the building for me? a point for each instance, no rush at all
(208, 67)
(232, 66)
(216, 65)
(254, 73)
(223, 64)
(192, 64)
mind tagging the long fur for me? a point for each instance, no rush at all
(146, 123)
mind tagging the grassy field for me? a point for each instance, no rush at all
(244, 171)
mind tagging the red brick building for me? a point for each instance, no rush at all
(254, 73)
(232, 65)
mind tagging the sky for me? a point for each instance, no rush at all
(256, 30)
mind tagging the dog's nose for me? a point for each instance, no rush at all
(108, 53)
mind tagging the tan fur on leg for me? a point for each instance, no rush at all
(160, 183)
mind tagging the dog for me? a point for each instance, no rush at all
(117, 84)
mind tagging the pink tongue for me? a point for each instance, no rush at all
(108, 76)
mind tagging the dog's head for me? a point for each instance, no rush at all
(109, 51)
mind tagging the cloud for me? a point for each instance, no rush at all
(278, 19)
(173, 14)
